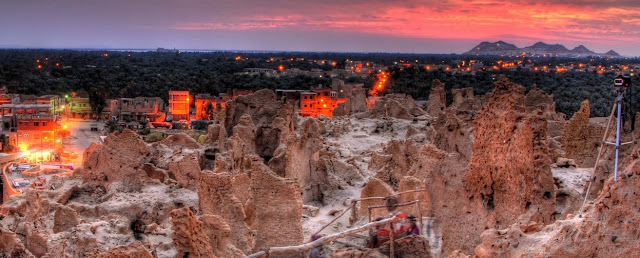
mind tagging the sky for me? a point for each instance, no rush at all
(408, 26)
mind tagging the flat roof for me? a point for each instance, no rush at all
(26, 106)
(291, 90)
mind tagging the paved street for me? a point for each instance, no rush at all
(81, 137)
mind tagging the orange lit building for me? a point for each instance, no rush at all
(319, 101)
(6, 99)
(202, 100)
(179, 105)
(34, 132)
(202, 103)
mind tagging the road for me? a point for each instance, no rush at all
(81, 137)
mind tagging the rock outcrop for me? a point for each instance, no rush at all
(581, 139)
(375, 188)
(509, 170)
(405, 158)
(11, 246)
(295, 155)
(356, 103)
(452, 128)
(216, 198)
(608, 228)
(188, 235)
(398, 106)
(409, 183)
(509, 153)
(135, 250)
(277, 205)
(219, 234)
(65, 218)
(437, 99)
(186, 170)
(539, 102)
(271, 118)
(117, 160)
(180, 140)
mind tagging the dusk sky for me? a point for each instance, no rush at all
(448, 26)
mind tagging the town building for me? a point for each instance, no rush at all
(289, 95)
(9, 99)
(344, 90)
(78, 107)
(179, 105)
(319, 101)
(34, 131)
(52, 100)
(10, 111)
(138, 109)
(206, 105)
(260, 71)
(168, 50)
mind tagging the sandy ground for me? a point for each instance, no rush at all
(573, 178)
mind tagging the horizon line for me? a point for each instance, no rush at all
(203, 50)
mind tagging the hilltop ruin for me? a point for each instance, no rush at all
(492, 176)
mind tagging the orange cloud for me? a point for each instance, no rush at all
(572, 20)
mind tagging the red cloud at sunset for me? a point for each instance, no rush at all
(329, 25)
(569, 21)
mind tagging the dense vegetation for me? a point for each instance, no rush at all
(569, 89)
(115, 74)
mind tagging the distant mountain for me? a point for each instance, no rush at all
(582, 50)
(544, 47)
(538, 49)
(612, 53)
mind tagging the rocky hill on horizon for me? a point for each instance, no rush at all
(538, 49)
